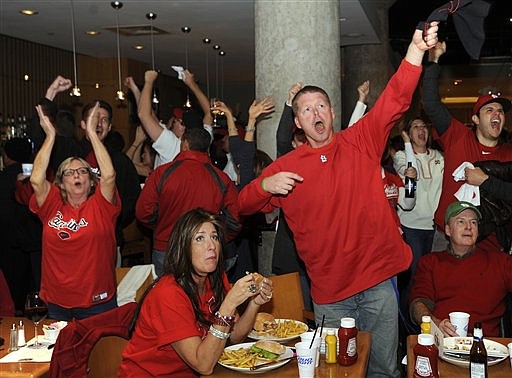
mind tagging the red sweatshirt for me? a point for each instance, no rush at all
(341, 220)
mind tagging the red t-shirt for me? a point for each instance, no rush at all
(477, 284)
(165, 317)
(459, 145)
(79, 249)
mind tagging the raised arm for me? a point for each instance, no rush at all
(134, 151)
(204, 102)
(256, 109)
(108, 174)
(38, 179)
(130, 83)
(363, 90)
(145, 110)
(284, 134)
(434, 108)
(420, 43)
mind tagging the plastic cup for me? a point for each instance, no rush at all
(27, 169)
(305, 359)
(307, 337)
(510, 352)
(460, 321)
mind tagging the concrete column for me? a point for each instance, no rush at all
(368, 62)
(295, 41)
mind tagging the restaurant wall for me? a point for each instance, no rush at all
(42, 64)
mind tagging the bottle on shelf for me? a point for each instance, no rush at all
(478, 354)
(425, 357)
(425, 324)
(410, 184)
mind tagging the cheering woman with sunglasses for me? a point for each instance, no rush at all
(78, 212)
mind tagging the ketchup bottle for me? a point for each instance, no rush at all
(347, 338)
(425, 357)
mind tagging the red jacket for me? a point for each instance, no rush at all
(75, 341)
(184, 184)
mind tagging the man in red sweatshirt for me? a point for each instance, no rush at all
(331, 192)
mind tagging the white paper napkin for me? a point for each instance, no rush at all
(27, 354)
(127, 288)
(467, 192)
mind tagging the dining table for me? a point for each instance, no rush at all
(324, 370)
(446, 369)
(24, 369)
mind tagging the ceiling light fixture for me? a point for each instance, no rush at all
(92, 32)
(28, 12)
(207, 41)
(75, 91)
(186, 30)
(138, 47)
(216, 47)
(118, 5)
(151, 17)
(222, 54)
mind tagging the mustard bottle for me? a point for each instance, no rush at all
(425, 324)
(330, 347)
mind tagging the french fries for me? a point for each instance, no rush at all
(242, 358)
(286, 328)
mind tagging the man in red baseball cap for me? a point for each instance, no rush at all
(461, 144)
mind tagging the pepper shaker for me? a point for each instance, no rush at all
(13, 339)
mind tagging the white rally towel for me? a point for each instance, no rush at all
(467, 192)
(127, 288)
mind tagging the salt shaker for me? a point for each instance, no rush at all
(13, 339)
(21, 334)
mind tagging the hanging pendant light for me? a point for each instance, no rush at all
(75, 91)
(222, 54)
(120, 94)
(151, 17)
(216, 47)
(186, 30)
(207, 41)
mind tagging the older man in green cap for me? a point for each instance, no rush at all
(462, 278)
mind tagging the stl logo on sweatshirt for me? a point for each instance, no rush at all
(72, 225)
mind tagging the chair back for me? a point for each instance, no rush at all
(105, 357)
(287, 301)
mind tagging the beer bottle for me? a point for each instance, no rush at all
(410, 184)
(478, 354)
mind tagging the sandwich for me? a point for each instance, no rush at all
(264, 322)
(268, 350)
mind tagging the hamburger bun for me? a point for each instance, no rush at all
(264, 322)
(268, 350)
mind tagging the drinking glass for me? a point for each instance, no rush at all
(36, 310)
(215, 112)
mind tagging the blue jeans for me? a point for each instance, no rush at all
(61, 313)
(420, 242)
(376, 311)
(158, 260)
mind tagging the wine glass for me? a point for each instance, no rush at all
(215, 112)
(36, 310)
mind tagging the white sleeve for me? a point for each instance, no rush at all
(405, 204)
(357, 113)
(167, 147)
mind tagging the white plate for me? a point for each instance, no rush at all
(288, 353)
(462, 345)
(255, 336)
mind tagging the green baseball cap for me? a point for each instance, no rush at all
(458, 207)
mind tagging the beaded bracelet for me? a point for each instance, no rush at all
(224, 320)
(218, 334)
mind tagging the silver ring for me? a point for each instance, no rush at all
(268, 296)
(252, 288)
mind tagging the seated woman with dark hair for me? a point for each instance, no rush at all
(187, 317)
